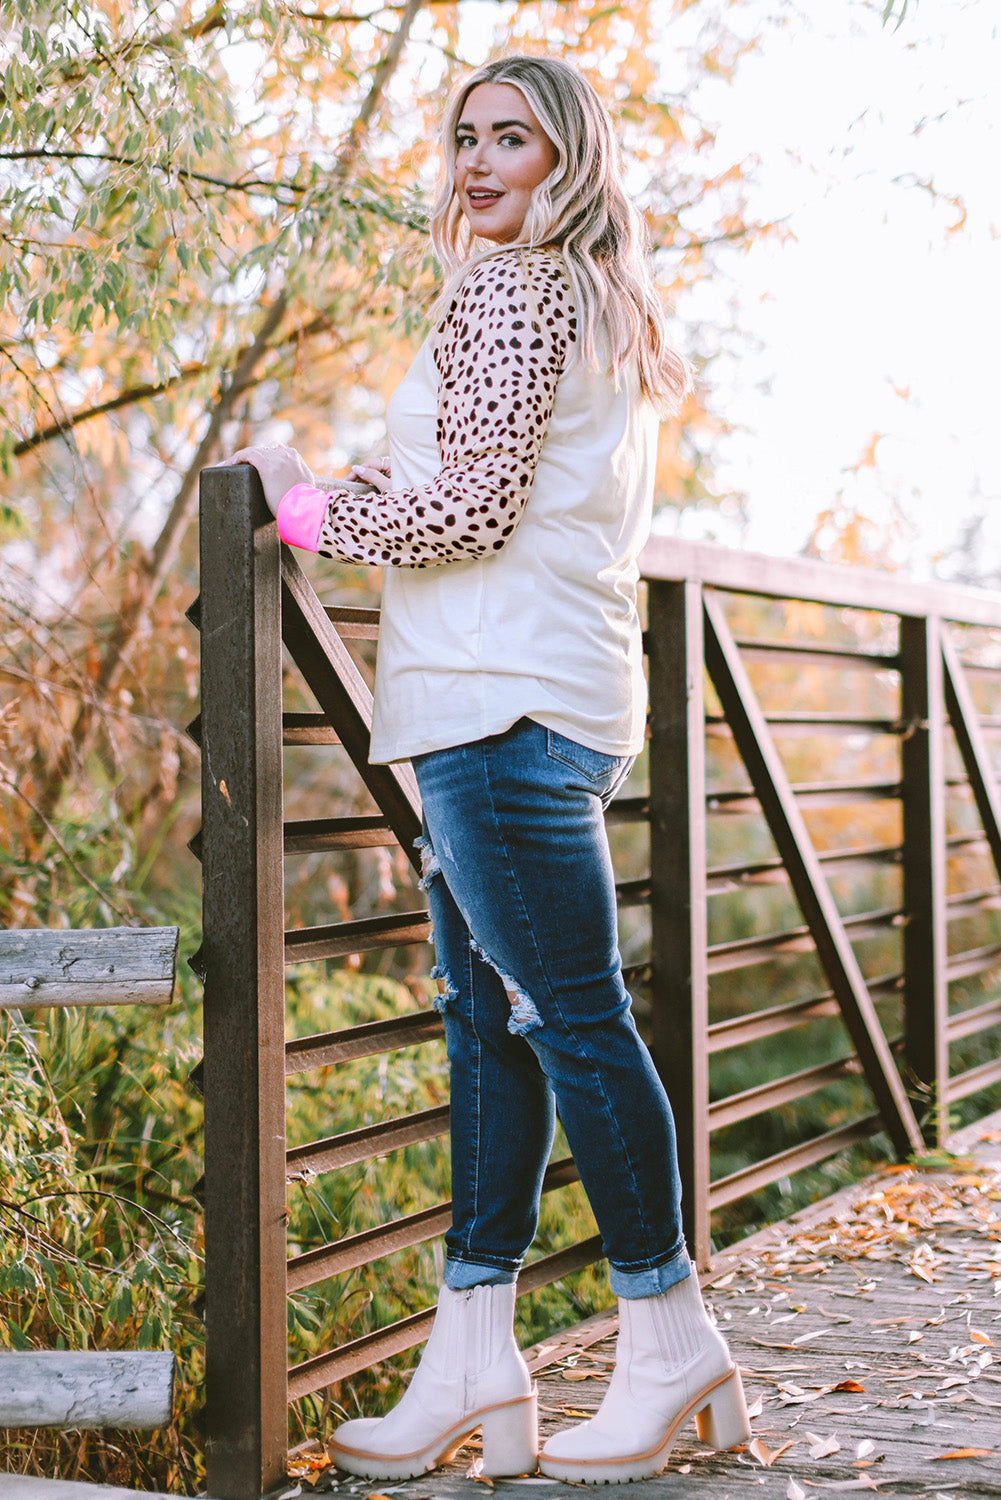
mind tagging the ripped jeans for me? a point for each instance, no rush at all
(536, 1014)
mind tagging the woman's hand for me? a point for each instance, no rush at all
(376, 473)
(280, 469)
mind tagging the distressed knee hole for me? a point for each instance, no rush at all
(524, 1015)
(430, 866)
(447, 992)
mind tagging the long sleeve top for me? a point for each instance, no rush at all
(521, 497)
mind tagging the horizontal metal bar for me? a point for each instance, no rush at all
(725, 878)
(353, 623)
(636, 973)
(351, 1146)
(633, 892)
(327, 1049)
(550, 1268)
(742, 952)
(970, 903)
(813, 794)
(309, 944)
(308, 729)
(974, 1079)
(372, 1244)
(751, 646)
(972, 961)
(628, 810)
(750, 1102)
(803, 719)
(969, 1022)
(318, 835)
(776, 1019)
(324, 1369)
(751, 1179)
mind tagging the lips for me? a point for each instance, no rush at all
(482, 197)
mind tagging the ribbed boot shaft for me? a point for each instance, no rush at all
(672, 1326)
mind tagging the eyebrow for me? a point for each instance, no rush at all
(497, 125)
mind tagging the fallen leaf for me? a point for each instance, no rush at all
(824, 1447)
(980, 1338)
(965, 1453)
(571, 1411)
(914, 1337)
(795, 1491)
(849, 1385)
(756, 1408)
(764, 1455)
(865, 1447)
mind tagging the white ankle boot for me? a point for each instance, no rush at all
(471, 1375)
(671, 1364)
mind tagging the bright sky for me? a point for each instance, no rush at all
(874, 318)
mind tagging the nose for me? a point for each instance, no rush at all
(474, 158)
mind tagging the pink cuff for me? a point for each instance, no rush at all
(300, 515)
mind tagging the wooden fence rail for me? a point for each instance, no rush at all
(810, 726)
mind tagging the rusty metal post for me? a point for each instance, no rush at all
(922, 754)
(679, 981)
(242, 960)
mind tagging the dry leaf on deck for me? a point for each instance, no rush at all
(759, 1450)
(795, 1491)
(965, 1453)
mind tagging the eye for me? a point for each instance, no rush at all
(512, 140)
(464, 138)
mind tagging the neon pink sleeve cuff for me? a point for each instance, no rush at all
(300, 515)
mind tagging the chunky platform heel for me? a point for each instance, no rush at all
(671, 1364)
(511, 1438)
(471, 1375)
(723, 1422)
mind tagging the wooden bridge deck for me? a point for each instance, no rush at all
(869, 1332)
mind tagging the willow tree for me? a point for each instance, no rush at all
(215, 226)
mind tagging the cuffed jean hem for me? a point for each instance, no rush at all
(652, 1280)
(462, 1274)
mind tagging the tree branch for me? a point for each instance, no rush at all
(116, 654)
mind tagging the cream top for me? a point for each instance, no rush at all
(522, 489)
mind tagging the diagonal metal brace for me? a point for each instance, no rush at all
(972, 746)
(771, 785)
(345, 698)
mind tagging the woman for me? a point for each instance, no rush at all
(509, 520)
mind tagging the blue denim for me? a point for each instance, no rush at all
(536, 1014)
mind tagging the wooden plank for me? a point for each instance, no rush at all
(132, 1389)
(244, 1007)
(103, 966)
(807, 878)
(972, 748)
(668, 559)
(679, 989)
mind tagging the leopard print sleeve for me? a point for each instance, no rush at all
(499, 355)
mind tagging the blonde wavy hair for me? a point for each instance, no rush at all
(581, 207)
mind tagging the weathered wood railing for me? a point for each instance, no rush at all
(42, 967)
(728, 635)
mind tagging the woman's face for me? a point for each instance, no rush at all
(502, 154)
